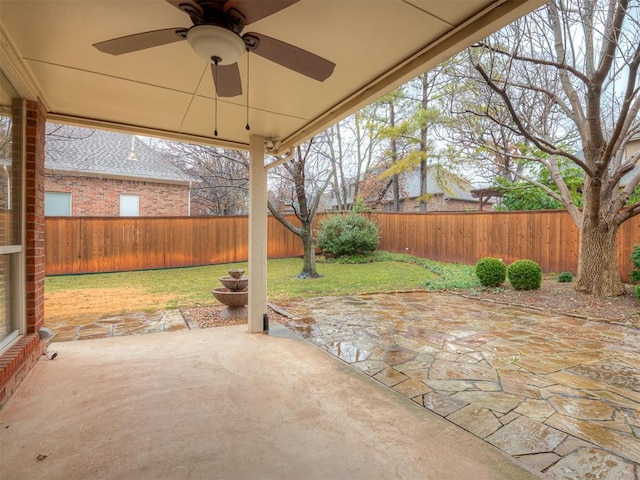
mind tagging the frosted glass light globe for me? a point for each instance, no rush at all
(212, 42)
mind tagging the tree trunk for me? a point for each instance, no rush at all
(597, 261)
(423, 145)
(309, 259)
(395, 180)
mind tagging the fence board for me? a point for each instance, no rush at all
(549, 238)
(90, 244)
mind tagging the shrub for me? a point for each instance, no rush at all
(347, 235)
(491, 271)
(635, 259)
(638, 292)
(355, 259)
(565, 277)
(525, 275)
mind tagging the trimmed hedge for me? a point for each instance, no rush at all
(525, 275)
(491, 271)
(565, 277)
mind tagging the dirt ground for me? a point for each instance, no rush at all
(95, 302)
(552, 297)
(555, 297)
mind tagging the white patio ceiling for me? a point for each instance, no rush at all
(46, 51)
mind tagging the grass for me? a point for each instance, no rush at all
(447, 276)
(188, 287)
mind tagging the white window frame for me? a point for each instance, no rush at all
(59, 194)
(124, 208)
(18, 273)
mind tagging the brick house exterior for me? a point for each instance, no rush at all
(95, 168)
(446, 192)
(438, 202)
(19, 357)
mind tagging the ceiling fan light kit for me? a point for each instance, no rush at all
(217, 37)
(216, 44)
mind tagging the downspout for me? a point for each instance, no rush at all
(189, 200)
(6, 171)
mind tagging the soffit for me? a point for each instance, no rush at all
(46, 48)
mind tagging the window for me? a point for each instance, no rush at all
(57, 204)
(12, 318)
(129, 205)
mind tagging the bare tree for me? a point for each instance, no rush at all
(567, 75)
(6, 163)
(351, 147)
(308, 177)
(221, 177)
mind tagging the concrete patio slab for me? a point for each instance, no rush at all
(222, 403)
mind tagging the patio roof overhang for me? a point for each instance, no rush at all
(47, 53)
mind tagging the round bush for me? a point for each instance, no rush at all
(638, 292)
(347, 235)
(525, 275)
(491, 271)
(565, 277)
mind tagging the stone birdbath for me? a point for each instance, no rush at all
(234, 294)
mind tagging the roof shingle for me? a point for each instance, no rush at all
(98, 152)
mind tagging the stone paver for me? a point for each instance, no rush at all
(479, 421)
(525, 436)
(582, 408)
(84, 328)
(591, 463)
(561, 394)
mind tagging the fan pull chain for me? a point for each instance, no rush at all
(247, 126)
(215, 99)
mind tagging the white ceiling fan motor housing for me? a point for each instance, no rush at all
(212, 42)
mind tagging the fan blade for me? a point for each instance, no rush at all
(141, 41)
(227, 80)
(188, 6)
(254, 10)
(291, 57)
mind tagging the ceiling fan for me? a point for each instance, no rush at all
(216, 35)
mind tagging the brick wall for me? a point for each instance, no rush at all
(100, 197)
(34, 248)
(16, 361)
(437, 203)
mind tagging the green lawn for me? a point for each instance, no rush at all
(113, 293)
(185, 287)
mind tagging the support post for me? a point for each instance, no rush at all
(257, 235)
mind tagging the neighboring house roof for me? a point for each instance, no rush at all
(109, 154)
(439, 182)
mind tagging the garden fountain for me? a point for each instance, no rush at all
(234, 294)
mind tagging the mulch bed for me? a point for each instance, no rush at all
(209, 317)
(562, 298)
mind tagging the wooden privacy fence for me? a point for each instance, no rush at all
(90, 244)
(550, 237)
(85, 245)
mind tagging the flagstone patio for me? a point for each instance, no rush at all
(561, 394)
(88, 327)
